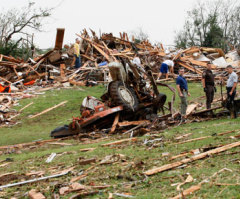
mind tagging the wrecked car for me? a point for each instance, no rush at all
(132, 93)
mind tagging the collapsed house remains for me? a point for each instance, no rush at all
(129, 69)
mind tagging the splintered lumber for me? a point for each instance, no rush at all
(135, 123)
(191, 108)
(5, 80)
(188, 191)
(25, 106)
(120, 142)
(195, 139)
(191, 159)
(115, 123)
(28, 144)
(49, 109)
(33, 194)
(190, 68)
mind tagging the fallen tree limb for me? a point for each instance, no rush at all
(193, 158)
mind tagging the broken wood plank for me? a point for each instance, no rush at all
(87, 149)
(60, 143)
(120, 142)
(135, 123)
(33, 194)
(188, 191)
(74, 179)
(191, 108)
(194, 139)
(87, 161)
(25, 106)
(191, 159)
(49, 109)
(115, 122)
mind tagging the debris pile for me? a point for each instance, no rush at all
(195, 61)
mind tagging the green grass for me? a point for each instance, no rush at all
(125, 176)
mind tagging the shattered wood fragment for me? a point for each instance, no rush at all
(191, 159)
(87, 149)
(135, 123)
(60, 143)
(188, 191)
(25, 106)
(33, 194)
(120, 142)
(87, 161)
(49, 109)
(84, 193)
(115, 122)
(191, 108)
(78, 178)
(192, 140)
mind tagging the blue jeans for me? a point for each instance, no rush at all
(77, 61)
(164, 68)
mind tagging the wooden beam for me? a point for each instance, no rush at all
(116, 120)
(191, 159)
(120, 142)
(49, 109)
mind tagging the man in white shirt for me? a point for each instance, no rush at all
(231, 83)
(164, 68)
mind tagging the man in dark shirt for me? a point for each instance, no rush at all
(182, 88)
(208, 85)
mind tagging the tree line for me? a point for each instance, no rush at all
(211, 24)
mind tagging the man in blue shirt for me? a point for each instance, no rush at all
(182, 88)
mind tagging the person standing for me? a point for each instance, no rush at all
(208, 85)
(182, 88)
(231, 84)
(77, 53)
(164, 68)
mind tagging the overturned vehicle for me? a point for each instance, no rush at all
(131, 95)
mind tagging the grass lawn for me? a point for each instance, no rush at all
(125, 176)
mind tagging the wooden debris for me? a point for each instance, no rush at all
(135, 123)
(195, 139)
(188, 191)
(49, 109)
(115, 122)
(87, 149)
(191, 108)
(87, 161)
(120, 142)
(33, 194)
(74, 179)
(193, 158)
(25, 106)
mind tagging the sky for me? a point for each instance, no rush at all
(160, 19)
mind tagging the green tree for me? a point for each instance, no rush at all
(16, 25)
(213, 24)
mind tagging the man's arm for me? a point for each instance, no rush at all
(203, 82)
(179, 90)
(233, 88)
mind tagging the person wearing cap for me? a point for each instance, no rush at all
(77, 53)
(208, 85)
(231, 84)
(164, 68)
